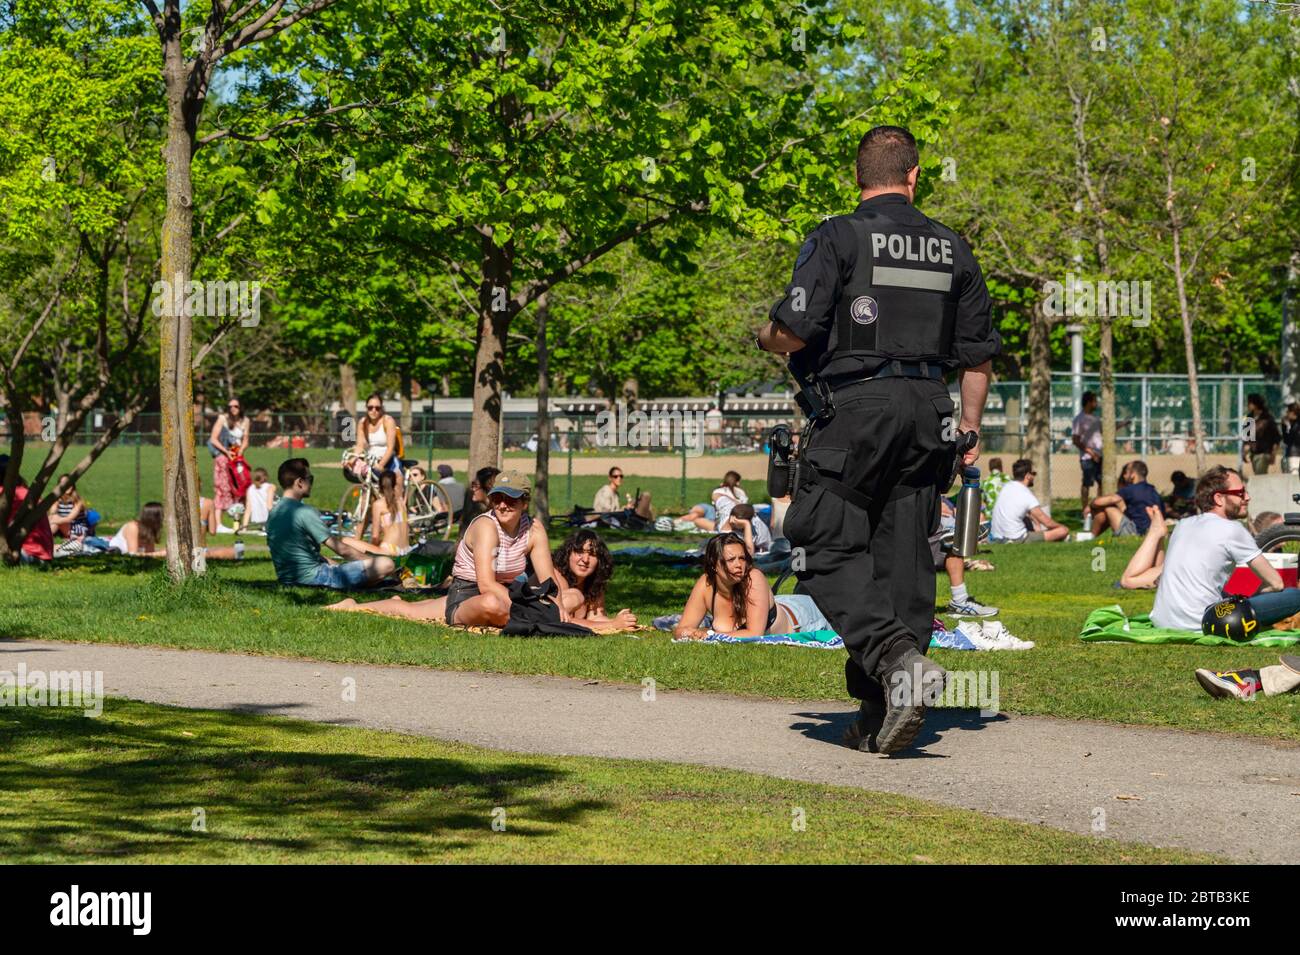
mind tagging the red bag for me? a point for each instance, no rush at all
(241, 477)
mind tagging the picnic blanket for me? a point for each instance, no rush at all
(1110, 625)
(815, 639)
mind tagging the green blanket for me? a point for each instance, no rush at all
(1108, 624)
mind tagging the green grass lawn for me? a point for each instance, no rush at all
(111, 484)
(125, 787)
(1045, 591)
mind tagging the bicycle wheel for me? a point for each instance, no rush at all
(1280, 539)
(354, 506)
(428, 511)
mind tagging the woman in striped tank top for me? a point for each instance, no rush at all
(495, 549)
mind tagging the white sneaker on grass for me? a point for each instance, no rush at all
(970, 607)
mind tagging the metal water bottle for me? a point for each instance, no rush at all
(966, 535)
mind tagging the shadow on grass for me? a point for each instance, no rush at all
(123, 789)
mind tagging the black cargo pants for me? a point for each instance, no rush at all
(871, 571)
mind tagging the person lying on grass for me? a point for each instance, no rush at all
(745, 524)
(295, 531)
(494, 550)
(732, 596)
(586, 565)
(140, 538)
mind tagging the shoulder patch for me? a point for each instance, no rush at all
(805, 251)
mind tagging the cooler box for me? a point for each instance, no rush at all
(1244, 582)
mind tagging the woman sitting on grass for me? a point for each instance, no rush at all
(494, 550)
(586, 565)
(733, 596)
(389, 531)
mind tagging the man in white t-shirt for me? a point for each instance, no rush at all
(1086, 435)
(1204, 550)
(1017, 515)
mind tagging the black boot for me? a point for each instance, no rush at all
(909, 680)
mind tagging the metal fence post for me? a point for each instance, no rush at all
(138, 438)
(1146, 417)
(683, 496)
(570, 479)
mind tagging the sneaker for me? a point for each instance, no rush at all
(991, 635)
(970, 607)
(1242, 684)
(1000, 638)
(908, 682)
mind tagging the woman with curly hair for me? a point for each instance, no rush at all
(586, 565)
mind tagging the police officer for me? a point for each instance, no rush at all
(883, 304)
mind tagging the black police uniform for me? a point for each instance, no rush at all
(888, 295)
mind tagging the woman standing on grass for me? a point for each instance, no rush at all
(228, 440)
(495, 549)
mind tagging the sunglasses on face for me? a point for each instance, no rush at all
(1235, 492)
(617, 477)
(374, 407)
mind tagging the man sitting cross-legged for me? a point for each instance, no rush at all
(295, 531)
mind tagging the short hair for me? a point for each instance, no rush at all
(1256, 399)
(1264, 520)
(260, 473)
(1178, 477)
(1211, 483)
(612, 470)
(744, 511)
(995, 464)
(1087, 397)
(886, 154)
(1139, 468)
(291, 470)
(485, 477)
(1021, 468)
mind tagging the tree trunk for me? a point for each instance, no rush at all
(405, 413)
(541, 481)
(180, 490)
(1038, 429)
(348, 397)
(1109, 454)
(1198, 432)
(494, 314)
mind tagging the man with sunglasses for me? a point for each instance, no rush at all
(1204, 550)
(295, 532)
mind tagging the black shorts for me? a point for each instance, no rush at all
(461, 590)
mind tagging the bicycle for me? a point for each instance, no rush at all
(428, 508)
